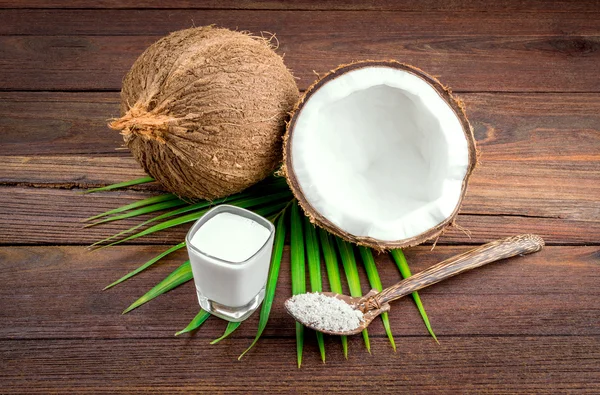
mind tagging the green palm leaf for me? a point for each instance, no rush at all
(400, 260)
(195, 323)
(351, 271)
(333, 274)
(269, 186)
(265, 310)
(313, 256)
(246, 203)
(179, 276)
(141, 211)
(192, 207)
(147, 264)
(375, 281)
(172, 213)
(140, 203)
(280, 213)
(125, 184)
(269, 180)
(269, 198)
(231, 327)
(276, 256)
(298, 271)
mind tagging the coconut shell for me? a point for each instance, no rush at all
(321, 221)
(203, 111)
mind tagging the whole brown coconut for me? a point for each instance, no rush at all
(379, 153)
(203, 111)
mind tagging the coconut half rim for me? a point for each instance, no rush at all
(379, 153)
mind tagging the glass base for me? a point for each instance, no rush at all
(234, 314)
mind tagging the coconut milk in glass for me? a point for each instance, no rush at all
(230, 254)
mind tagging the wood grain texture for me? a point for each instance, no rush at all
(545, 128)
(499, 365)
(58, 123)
(293, 23)
(71, 171)
(57, 293)
(30, 216)
(527, 70)
(54, 216)
(512, 52)
(507, 187)
(426, 5)
(540, 154)
(472, 259)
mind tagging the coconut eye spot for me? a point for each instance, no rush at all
(380, 154)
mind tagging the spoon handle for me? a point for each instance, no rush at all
(490, 252)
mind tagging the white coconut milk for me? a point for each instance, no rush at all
(230, 237)
(230, 254)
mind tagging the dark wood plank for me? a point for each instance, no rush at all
(480, 229)
(426, 5)
(71, 171)
(529, 128)
(528, 325)
(56, 292)
(53, 216)
(551, 52)
(533, 190)
(58, 123)
(539, 157)
(290, 24)
(543, 148)
(495, 365)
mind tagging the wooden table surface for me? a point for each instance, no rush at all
(529, 74)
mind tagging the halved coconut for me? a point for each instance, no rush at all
(379, 153)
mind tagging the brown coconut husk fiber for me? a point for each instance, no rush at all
(203, 111)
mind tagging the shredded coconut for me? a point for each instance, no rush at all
(325, 312)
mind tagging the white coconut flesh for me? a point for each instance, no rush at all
(379, 153)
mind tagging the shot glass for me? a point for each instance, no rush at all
(230, 290)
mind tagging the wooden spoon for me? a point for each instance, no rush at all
(374, 303)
